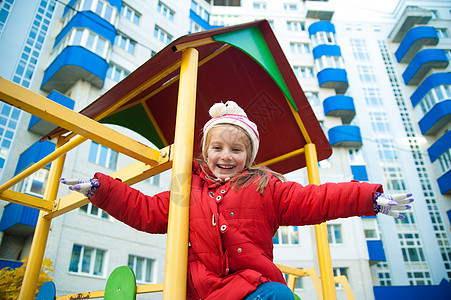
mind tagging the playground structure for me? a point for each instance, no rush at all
(244, 63)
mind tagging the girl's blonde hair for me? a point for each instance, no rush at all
(244, 179)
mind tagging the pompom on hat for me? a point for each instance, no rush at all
(231, 113)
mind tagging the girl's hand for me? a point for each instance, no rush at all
(386, 204)
(87, 187)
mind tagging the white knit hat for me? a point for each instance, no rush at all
(231, 113)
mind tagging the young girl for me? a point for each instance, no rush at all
(236, 209)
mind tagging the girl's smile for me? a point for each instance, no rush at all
(227, 151)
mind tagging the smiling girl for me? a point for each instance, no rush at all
(236, 209)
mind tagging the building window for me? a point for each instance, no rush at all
(299, 284)
(372, 96)
(295, 26)
(409, 218)
(445, 161)
(379, 122)
(193, 27)
(87, 260)
(313, 98)
(371, 229)
(366, 73)
(286, 235)
(103, 156)
(165, 11)
(162, 35)
(359, 49)
(87, 39)
(387, 149)
(130, 14)
(125, 43)
(323, 37)
(326, 61)
(92, 210)
(225, 20)
(340, 272)
(413, 255)
(35, 183)
(334, 232)
(33, 45)
(116, 73)
(299, 48)
(383, 274)
(434, 96)
(290, 7)
(100, 7)
(259, 5)
(200, 11)
(5, 9)
(394, 180)
(356, 157)
(9, 117)
(144, 268)
(303, 72)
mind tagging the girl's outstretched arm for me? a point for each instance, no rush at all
(126, 204)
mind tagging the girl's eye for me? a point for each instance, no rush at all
(216, 148)
(237, 149)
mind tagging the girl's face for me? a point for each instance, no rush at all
(227, 151)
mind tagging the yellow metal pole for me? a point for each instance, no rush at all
(322, 241)
(41, 233)
(43, 162)
(175, 274)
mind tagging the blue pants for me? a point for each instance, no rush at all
(271, 291)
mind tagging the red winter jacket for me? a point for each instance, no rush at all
(231, 250)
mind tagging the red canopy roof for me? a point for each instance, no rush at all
(243, 63)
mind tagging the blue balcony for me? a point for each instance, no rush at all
(412, 16)
(33, 154)
(359, 173)
(422, 63)
(333, 78)
(340, 106)
(444, 183)
(440, 146)
(429, 83)
(92, 21)
(330, 50)
(345, 136)
(375, 251)
(416, 38)
(72, 64)
(321, 26)
(436, 118)
(42, 127)
(18, 219)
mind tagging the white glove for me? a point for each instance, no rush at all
(386, 204)
(87, 187)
